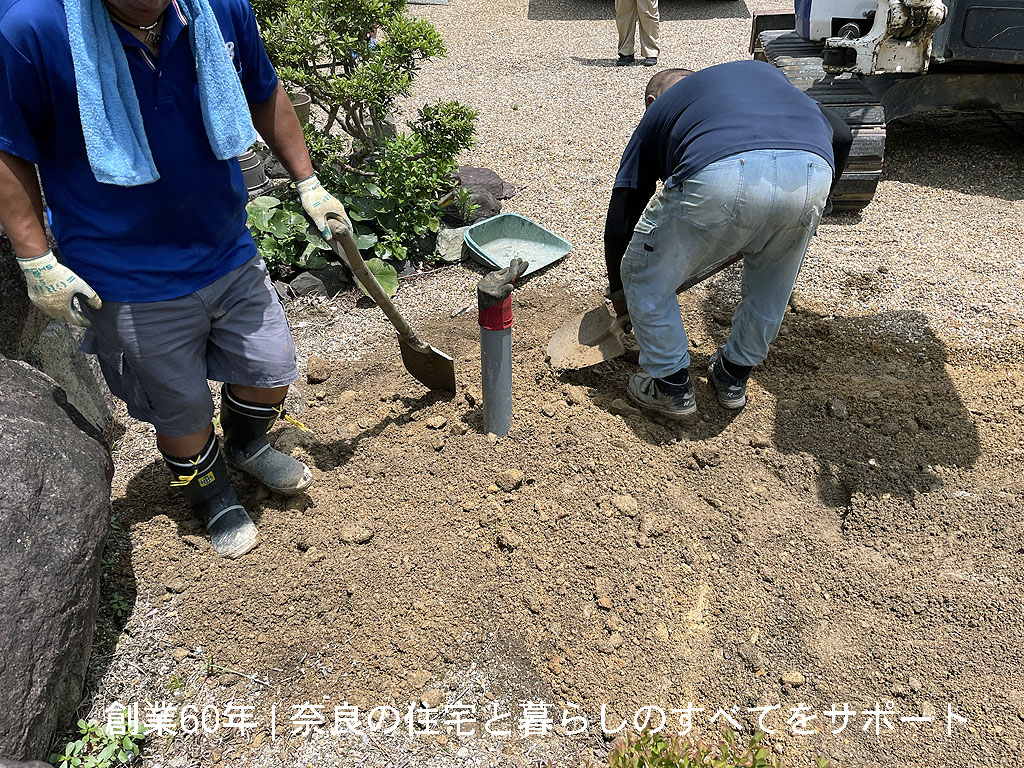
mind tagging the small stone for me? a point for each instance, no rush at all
(555, 666)
(176, 586)
(549, 409)
(737, 536)
(432, 698)
(625, 504)
(317, 370)
(661, 632)
(418, 678)
(509, 540)
(620, 407)
(353, 533)
(760, 442)
(602, 588)
(509, 480)
(180, 654)
(227, 679)
(437, 422)
(576, 395)
(915, 684)
(836, 408)
(793, 679)
(437, 442)
(462, 752)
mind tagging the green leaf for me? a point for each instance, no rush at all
(386, 275)
(315, 261)
(434, 224)
(107, 751)
(367, 240)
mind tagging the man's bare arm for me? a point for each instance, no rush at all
(278, 125)
(21, 207)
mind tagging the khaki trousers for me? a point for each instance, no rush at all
(627, 14)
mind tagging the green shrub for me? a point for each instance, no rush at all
(389, 180)
(284, 235)
(666, 750)
(98, 747)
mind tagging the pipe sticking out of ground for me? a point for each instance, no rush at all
(494, 302)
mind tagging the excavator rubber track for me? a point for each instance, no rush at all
(800, 61)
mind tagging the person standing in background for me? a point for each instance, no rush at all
(627, 14)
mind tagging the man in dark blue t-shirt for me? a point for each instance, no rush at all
(747, 161)
(175, 292)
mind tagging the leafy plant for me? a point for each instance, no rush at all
(665, 750)
(121, 606)
(356, 59)
(283, 234)
(464, 203)
(386, 275)
(99, 747)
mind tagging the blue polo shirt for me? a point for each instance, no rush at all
(720, 111)
(132, 244)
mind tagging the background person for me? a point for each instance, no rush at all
(629, 13)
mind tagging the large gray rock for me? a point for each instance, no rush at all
(20, 322)
(56, 354)
(33, 764)
(54, 515)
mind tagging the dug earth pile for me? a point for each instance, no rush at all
(851, 536)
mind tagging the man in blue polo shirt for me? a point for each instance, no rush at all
(747, 161)
(172, 288)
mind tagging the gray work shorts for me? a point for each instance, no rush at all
(157, 356)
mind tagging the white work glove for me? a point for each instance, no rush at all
(52, 287)
(319, 203)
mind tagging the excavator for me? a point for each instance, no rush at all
(875, 61)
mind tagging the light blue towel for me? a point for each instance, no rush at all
(115, 137)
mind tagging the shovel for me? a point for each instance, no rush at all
(433, 369)
(598, 335)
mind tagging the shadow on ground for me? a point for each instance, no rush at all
(972, 153)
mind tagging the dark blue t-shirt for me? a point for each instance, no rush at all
(717, 112)
(151, 242)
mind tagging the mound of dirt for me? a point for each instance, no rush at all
(849, 536)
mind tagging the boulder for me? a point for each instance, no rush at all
(450, 245)
(56, 353)
(20, 322)
(487, 205)
(54, 516)
(306, 283)
(485, 178)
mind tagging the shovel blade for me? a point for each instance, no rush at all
(587, 339)
(431, 368)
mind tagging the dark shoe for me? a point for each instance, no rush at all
(245, 428)
(651, 61)
(669, 399)
(203, 479)
(625, 61)
(732, 392)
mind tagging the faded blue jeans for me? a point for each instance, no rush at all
(764, 203)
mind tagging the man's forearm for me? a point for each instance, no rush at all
(624, 211)
(21, 207)
(278, 125)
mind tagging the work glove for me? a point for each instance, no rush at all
(52, 287)
(617, 299)
(496, 286)
(319, 204)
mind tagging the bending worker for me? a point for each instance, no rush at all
(747, 161)
(133, 111)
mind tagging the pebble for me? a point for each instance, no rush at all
(915, 684)
(625, 504)
(352, 533)
(793, 679)
(437, 422)
(509, 480)
(836, 408)
(177, 586)
(602, 587)
(437, 442)
(509, 539)
(418, 678)
(576, 395)
(549, 409)
(180, 654)
(317, 370)
(621, 408)
(432, 698)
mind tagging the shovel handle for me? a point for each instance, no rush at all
(344, 245)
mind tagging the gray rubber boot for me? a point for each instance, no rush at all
(245, 428)
(203, 479)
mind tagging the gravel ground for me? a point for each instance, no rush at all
(942, 237)
(938, 249)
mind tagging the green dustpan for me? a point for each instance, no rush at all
(496, 241)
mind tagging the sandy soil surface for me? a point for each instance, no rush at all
(850, 538)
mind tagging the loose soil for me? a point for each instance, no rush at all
(855, 523)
